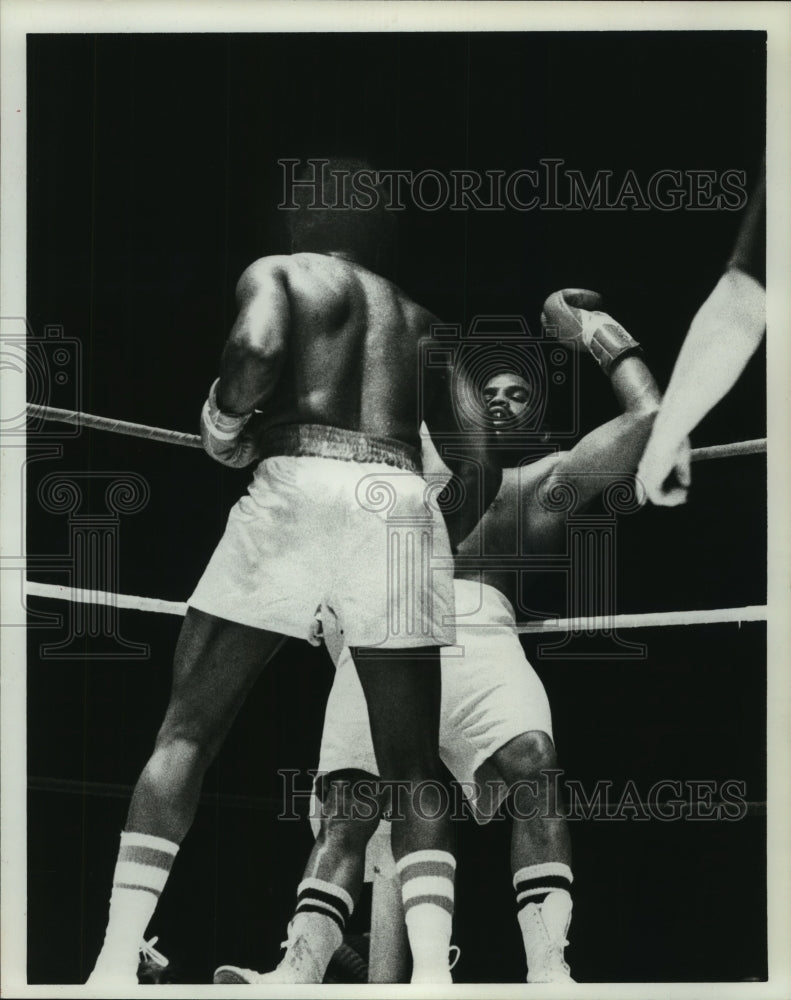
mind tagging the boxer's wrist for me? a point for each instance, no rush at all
(223, 434)
(222, 424)
(573, 313)
(607, 341)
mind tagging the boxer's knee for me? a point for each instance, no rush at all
(346, 836)
(529, 757)
(184, 746)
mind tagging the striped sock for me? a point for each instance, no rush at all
(316, 931)
(533, 883)
(427, 892)
(141, 871)
(314, 895)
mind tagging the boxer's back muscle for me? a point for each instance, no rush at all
(350, 357)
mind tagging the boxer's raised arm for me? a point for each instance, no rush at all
(612, 450)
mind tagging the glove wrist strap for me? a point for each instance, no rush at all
(223, 426)
(609, 343)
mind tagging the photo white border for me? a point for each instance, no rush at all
(18, 17)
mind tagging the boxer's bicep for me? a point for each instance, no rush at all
(610, 452)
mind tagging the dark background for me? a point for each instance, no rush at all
(151, 183)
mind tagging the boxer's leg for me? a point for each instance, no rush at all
(540, 853)
(215, 665)
(402, 689)
(329, 889)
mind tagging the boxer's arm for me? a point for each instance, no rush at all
(249, 367)
(253, 355)
(612, 450)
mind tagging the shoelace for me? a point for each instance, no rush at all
(289, 935)
(149, 953)
(557, 954)
(456, 957)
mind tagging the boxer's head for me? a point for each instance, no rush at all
(341, 210)
(507, 398)
(514, 409)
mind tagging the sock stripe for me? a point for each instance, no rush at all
(325, 906)
(437, 869)
(331, 888)
(444, 902)
(146, 856)
(419, 857)
(326, 900)
(539, 871)
(129, 872)
(137, 888)
(307, 907)
(426, 886)
(542, 884)
(133, 839)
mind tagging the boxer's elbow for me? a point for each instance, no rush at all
(253, 349)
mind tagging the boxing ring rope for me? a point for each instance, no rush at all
(124, 427)
(592, 623)
(755, 446)
(751, 613)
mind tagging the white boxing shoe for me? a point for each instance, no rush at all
(438, 976)
(547, 924)
(299, 965)
(111, 975)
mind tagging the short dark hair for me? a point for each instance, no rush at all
(331, 223)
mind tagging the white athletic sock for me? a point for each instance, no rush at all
(142, 868)
(427, 892)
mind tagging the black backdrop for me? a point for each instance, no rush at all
(152, 178)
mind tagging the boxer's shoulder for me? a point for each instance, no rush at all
(256, 275)
(530, 475)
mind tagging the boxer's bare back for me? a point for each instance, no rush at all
(338, 345)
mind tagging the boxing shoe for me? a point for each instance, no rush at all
(298, 965)
(435, 976)
(112, 975)
(545, 926)
(573, 313)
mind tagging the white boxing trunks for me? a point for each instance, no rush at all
(339, 518)
(490, 694)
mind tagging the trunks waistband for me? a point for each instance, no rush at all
(323, 441)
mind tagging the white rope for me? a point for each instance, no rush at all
(753, 447)
(756, 446)
(596, 623)
(128, 601)
(115, 426)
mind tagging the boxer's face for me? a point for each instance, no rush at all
(506, 398)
